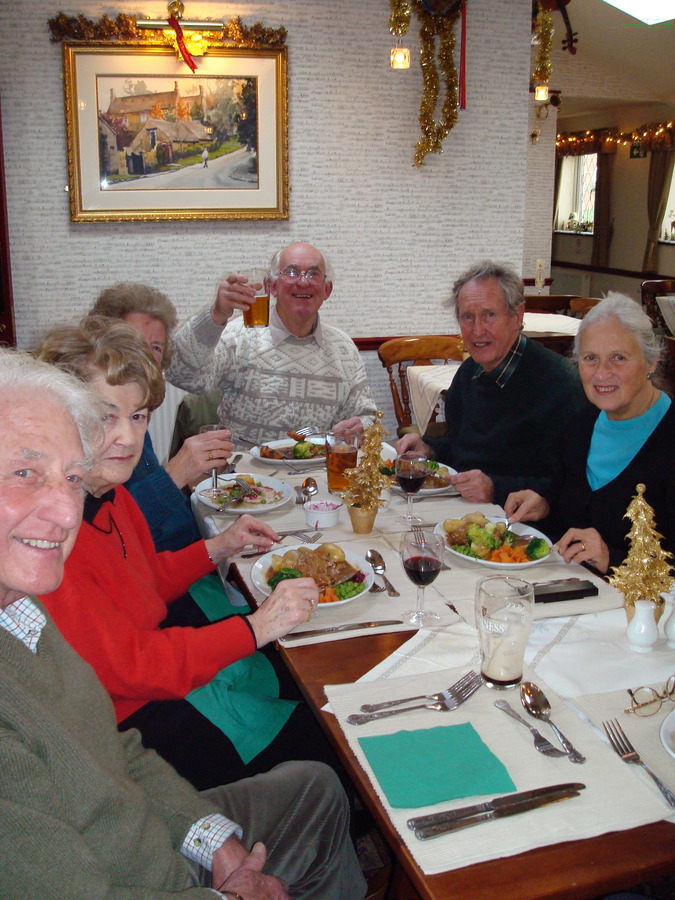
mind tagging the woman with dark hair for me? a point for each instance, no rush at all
(625, 439)
(201, 696)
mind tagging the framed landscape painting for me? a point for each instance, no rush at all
(148, 140)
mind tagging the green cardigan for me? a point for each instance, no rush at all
(85, 812)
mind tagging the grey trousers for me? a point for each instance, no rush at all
(300, 813)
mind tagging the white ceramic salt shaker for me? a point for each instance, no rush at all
(642, 631)
(669, 622)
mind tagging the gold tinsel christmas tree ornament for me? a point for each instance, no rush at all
(647, 570)
(366, 481)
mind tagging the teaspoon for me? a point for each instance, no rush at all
(536, 703)
(309, 488)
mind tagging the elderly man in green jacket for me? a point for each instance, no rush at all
(86, 812)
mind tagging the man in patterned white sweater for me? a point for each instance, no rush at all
(295, 373)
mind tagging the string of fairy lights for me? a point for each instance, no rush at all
(656, 136)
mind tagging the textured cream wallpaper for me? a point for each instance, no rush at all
(397, 235)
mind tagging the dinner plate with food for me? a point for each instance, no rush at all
(266, 494)
(339, 574)
(488, 541)
(309, 451)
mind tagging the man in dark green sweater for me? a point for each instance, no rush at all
(509, 403)
(87, 812)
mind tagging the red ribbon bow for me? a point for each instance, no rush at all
(180, 40)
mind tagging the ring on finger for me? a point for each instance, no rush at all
(583, 546)
(209, 456)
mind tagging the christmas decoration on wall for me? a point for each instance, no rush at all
(543, 37)
(656, 136)
(437, 20)
(647, 570)
(133, 28)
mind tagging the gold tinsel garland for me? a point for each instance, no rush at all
(431, 26)
(542, 67)
(366, 481)
(123, 28)
(655, 136)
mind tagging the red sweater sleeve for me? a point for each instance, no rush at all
(112, 599)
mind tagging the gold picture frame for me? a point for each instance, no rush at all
(138, 122)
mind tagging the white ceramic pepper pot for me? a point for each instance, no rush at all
(642, 631)
(669, 623)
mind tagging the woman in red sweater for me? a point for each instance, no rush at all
(201, 696)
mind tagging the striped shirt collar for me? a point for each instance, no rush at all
(24, 621)
(501, 373)
(279, 333)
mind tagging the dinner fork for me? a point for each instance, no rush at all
(300, 535)
(445, 702)
(622, 746)
(305, 432)
(452, 697)
(418, 534)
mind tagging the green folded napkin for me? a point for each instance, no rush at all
(418, 768)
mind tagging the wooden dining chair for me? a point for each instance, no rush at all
(579, 306)
(550, 303)
(397, 354)
(650, 290)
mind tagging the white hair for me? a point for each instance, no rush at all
(629, 314)
(23, 373)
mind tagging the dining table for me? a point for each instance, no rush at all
(619, 830)
(427, 384)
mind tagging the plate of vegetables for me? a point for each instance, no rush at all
(488, 541)
(311, 451)
(340, 575)
(267, 494)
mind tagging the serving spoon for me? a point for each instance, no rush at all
(536, 703)
(378, 567)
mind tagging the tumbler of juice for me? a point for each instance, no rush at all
(341, 452)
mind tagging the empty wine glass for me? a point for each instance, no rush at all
(422, 558)
(410, 470)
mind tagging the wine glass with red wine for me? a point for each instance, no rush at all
(410, 470)
(422, 558)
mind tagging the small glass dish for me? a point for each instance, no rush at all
(322, 512)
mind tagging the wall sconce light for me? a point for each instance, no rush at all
(541, 93)
(187, 39)
(399, 57)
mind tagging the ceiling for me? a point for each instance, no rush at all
(617, 42)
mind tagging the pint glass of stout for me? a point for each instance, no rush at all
(503, 607)
(341, 453)
(258, 313)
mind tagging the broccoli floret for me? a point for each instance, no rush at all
(510, 538)
(282, 575)
(432, 465)
(302, 450)
(537, 548)
(482, 536)
(465, 550)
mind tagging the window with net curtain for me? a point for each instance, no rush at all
(576, 197)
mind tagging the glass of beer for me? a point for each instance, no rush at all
(257, 315)
(341, 452)
(504, 607)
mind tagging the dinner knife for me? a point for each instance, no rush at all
(353, 626)
(453, 815)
